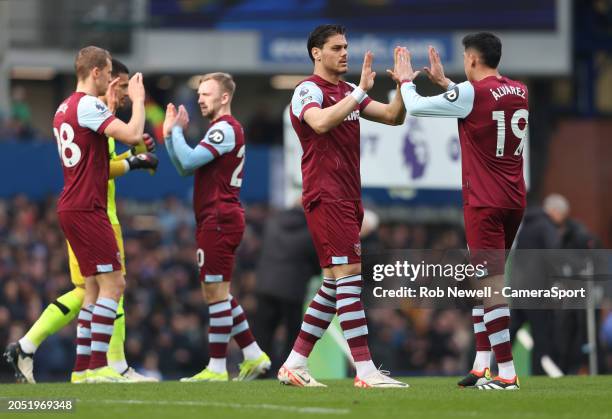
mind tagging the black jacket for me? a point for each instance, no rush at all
(288, 258)
(538, 231)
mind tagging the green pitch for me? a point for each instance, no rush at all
(570, 397)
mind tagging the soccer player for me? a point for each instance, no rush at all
(216, 163)
(81, 126)
(492, 112)
(63, 310)
(325, 113)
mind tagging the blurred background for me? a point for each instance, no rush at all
(562, 51)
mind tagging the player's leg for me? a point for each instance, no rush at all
(56, 315)
(321, 309)
(317, 319)
(346, 268)
(98, 258)
(116, 352)
(116, 348)
(83, 340)
(500, 231)
(215, 261)
(256, 363)
(111, 286)
(481, 368)
(480, 372)
(216, 294)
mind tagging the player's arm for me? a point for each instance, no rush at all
(120, 164)
(142, 161)
(173, 159)
(132, 132)
(176, 145)
(457, 102)
(393, 113)
(323, 120)
(186, 159)
(219, 140)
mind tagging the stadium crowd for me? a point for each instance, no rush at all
(165, 318)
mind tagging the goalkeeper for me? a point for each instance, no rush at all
(63, 310)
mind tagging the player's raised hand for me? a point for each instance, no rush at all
(367, 75)
(403, 66)
(136, 90)
(182, 118)
(170, 120)
(394, 73)
(111, 95)
(435, 71)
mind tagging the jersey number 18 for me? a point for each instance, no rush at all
(65, 138)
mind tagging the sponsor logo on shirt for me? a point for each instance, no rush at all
(216, 136)
(357, 248)
(452, 95)
(353, 116)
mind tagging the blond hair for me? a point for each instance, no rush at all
(89, 58)
(225, 80)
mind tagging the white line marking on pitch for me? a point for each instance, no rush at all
(264, 406)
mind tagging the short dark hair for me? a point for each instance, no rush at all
(118, 68)
(89, 58)
(488, 46)
(320, 34)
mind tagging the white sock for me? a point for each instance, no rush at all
(217, 365)
(365, 368)
(119, 366)
(27, 345)
(506, 370)
(296, 360)
(482, 360)
(252, 351)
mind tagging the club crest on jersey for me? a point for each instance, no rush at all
(303, 92)
(100, 107)
(452, 95)
(357, 248)
(216, 136)
(119, 257)
(306, 100)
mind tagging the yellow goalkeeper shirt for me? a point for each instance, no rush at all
(111, 207)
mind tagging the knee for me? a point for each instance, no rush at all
(119, 287)
(112, 286)
(340, 271)
(214, 293)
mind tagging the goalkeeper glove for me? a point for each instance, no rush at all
(143, 161)
(147, 144)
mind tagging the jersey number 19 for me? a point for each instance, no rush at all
(519, 133)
